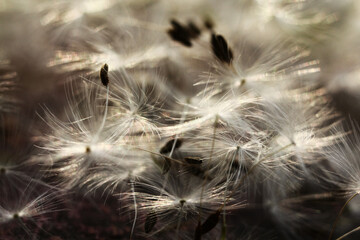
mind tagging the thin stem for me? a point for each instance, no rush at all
(211, 154)
(223, 230)
(159, 154)
(339, 214)
(182, 120)
(348, 233)
(104, 117)
(309, 197)
(178, 224)
(183, 117)
(135, 209)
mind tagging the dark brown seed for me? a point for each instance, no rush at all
(150, 221)
(104, 75)
(198, 231)
(193, 160)
(221, 49)
(208, 23)
(166, 165)
(169, 145)
(182, 202)
(88, 149)
(179, 33)
(210, 222)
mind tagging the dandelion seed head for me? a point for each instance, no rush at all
(345, 164)
(294, 18)
(138, 105)
(255, 70)
(182, 194)
(75, 146)
(30, 204)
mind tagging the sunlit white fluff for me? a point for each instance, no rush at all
(138, 101)
(208, 109)
(345, 165)
(301, 129)
(277, 65)
(74, 146)
(306, 20)
(105, 32)
(228, 154)
(30, 203)
(178, 199)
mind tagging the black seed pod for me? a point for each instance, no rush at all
(221, 49)
(198, 232)
(166, 165)
(179, 33)
(151, 219)
(104, 75)
(210, 222)
(168, 146)
(208, 23)
(193, 160)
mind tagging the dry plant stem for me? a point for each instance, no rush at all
(310, 197)
(135, 208)
(223, 230)
(206, 174)
(105, 114)
(183, 117)
(182, 120)
(211, 153)
(178, 224)
(160, 155)
(26, 229)
(339, 214)
(348, 233)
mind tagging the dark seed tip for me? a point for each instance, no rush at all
(166, 165)
(193, 160)
(104, 75)
(183, 34)
(182, 202)
(210, 222)
(221, 49)
(169, 145)
(208, 23)
(198, 231)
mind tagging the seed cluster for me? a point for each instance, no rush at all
(179, 120)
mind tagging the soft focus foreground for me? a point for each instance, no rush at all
(179, 119)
